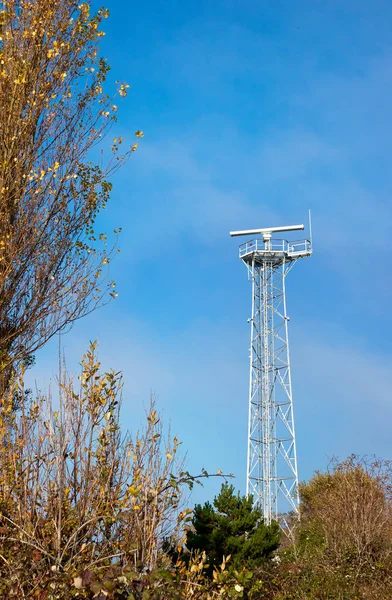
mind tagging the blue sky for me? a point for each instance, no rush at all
(253, 112)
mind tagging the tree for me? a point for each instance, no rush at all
(232, 526)
(85, 508)
(351, 508)
(345, 532)
(76, 495)
(53, 113)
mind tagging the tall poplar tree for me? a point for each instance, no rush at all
(53, 112)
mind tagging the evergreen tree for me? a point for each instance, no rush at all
(232, 526)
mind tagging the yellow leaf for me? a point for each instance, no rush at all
(78, 583)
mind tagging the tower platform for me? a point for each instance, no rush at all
(274, 250)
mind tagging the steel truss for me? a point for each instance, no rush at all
(272, 474)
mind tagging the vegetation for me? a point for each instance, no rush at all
(232, 526)
(54, 111)
(85, 512)
(344, 539)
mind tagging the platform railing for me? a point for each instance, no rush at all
(294, 248)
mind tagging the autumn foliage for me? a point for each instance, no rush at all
(54, 111)
(85, 509)
(343, 541)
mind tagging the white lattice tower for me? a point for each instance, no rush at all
(272, 473)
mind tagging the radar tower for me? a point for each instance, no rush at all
(272, 472)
